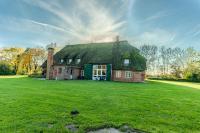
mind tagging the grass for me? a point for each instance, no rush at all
(29, 105)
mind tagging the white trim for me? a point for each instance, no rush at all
(78, 61)
(82, 73)
(118, 74)
(128, 74)
(126, 62)
(99, 71)
(69, 61)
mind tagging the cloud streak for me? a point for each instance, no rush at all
(100, 26)
(157, 15)
(156, 36)
(195, 31)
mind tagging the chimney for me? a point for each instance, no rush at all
(49, 72)
(117, 38)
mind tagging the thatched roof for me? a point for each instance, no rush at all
(102, 53)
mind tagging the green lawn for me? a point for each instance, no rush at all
(30, 105)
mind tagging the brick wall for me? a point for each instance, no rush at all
(136, 76)
(65, 73)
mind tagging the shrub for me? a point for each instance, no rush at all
(36, 76)
(6, 69)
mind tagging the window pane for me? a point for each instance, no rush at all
(128, 74)
(78, 61)
(103, 72)
(82, 72)
(126, 61)
(95, 72)
(69, 61)
(118, 74)
(61, 61)
(99, 72)
(99, 66)
(103, 66)
(95, 66)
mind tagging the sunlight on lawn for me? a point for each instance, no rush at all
(13, 76)
(188, 84)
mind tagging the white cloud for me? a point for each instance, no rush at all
(195, 31)
(101, 24)
(156, 36)
(31, 31)
(157, 15)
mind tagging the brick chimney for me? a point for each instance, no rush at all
(117, 38)
(49, 74)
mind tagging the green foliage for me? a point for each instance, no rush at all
(192, 72)
(22, 61)
(193, 77)
(6, 69)
(36, 74)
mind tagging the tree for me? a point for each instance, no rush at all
(6, 69)
(11, 57)
(192, 70)
(150, 53)
(31, 60)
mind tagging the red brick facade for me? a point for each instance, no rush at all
(135, 77)
(64, 72)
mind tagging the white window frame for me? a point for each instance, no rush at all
(82, 73)
(98, 71)
(61, 61)
(69, 61)
(128, 74)
(126, 62)
(118, 74)
(78, 61)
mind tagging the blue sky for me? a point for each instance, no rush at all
(29, 23)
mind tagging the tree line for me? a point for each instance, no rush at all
(21, 61)
(162, 62)
(172, 63)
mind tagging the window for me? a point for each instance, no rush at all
(128, 74)
(71, 71)
(99, 72)
(78, 61)
(118, 74)
(61, 61)
(82, 73)
(103, 66)
(69, 61)
(59, 70)
(126, 62)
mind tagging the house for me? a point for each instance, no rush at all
(117, 61)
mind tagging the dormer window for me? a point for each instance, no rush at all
(78, 61)
(126, 62)
(69, 61)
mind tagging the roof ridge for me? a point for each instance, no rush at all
(95, 43)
